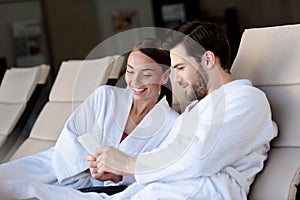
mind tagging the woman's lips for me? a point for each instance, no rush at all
(139, 90)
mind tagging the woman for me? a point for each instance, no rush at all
(134, 120)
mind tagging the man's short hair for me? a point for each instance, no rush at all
(198, 37)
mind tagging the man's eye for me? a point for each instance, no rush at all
(147, 75)
(129, 72)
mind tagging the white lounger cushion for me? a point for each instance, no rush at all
(46, 128)
(18, 84)
(51, 120)
(10, 114)
(2, 139)
(74, 82)
(270, 58)
(45, 70)
(116, 67)
(31, 146)
(276, 180)
(16, 89)
(80, 79)
(285, 102)
(43, 73)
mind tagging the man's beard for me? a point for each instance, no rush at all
(198, 88)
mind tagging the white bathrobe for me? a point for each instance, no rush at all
(214, 151)
(103, 114)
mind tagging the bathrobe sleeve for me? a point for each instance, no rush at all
(69, 156)
(218, 132)
(102, 114)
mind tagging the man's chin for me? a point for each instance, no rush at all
(190, 96)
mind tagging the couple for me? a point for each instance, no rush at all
(214, 148)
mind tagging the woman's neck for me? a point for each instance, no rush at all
(142, 107)
(138, 111)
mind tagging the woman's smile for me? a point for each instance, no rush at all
(139, 91)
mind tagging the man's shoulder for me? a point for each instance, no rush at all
(246, 94)
(243, 87)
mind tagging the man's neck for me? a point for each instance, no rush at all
(218, 78)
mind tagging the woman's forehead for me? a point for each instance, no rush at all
(138, 60)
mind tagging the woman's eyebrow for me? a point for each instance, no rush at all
(147, 69)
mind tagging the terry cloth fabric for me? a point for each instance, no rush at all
(104, 115)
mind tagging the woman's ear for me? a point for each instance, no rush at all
(166, 76)
(209, 59)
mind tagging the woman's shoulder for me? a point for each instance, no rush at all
(169, 111)
(109, 90)
(174, 114)
(107, 95)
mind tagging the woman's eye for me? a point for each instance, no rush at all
(147, 75)
(129, 72)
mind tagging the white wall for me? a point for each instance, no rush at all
(14, 12)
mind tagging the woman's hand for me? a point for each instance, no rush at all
(92, 163)
(114, 161)
(99, 173)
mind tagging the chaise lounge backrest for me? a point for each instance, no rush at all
(74, 82)
(17, 87)
(270, 58)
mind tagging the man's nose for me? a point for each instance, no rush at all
(177, 78)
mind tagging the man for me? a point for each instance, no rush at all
(221, 140)
(217, 145)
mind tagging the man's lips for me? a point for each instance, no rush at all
(184, 86)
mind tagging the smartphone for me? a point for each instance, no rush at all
(89, 143)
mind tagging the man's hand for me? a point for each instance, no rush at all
(112, 160)
(110, 164)
(100, 174)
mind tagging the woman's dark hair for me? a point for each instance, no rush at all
(153, 49)
(198, 37)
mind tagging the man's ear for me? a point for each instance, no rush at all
(209, 59)
(166, 76)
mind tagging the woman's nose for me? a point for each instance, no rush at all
(137, 80)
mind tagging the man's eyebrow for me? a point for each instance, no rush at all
(129, 66)
(177, 65)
